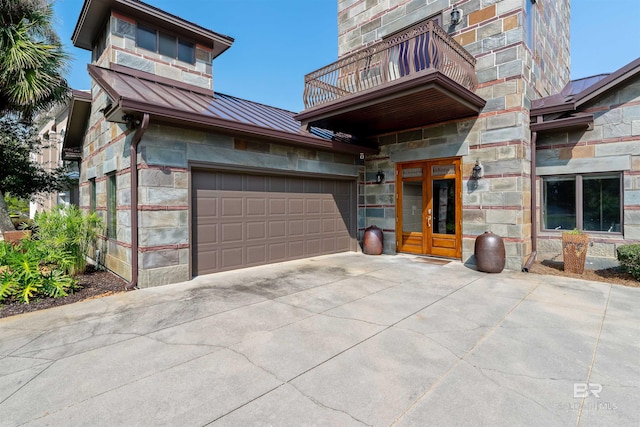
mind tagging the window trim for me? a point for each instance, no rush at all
(579, 201)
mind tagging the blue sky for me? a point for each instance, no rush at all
(278, 41)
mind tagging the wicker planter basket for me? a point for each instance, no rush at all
(574, 251)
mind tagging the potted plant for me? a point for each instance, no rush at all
(574, 250)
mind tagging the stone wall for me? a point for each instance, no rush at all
(613, 145)
(165, 154)
(121, 49)
(509, 73)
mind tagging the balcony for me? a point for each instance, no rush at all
(415, 78)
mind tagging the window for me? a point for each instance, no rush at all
(146, 38)
(586, 202)
(186, 52)
(165, 44)
(112, 190)
(92, 194)
(99, 45)
(529, 22)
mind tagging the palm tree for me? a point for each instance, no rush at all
(32, 60)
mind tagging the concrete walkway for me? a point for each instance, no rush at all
(334, 341)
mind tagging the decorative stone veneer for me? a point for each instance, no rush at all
(510, 74)
(613, 145)
(121, 49)
(164, 156)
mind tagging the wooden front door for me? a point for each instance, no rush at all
(429, 207)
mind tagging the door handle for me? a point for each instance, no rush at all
(429, 221)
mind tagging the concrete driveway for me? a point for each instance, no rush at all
(337, 340)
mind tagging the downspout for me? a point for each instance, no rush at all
(133, 155)
(534, 225)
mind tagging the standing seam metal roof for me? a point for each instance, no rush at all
(145, 92)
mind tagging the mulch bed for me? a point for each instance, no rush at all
(613, 275)
(92, 284)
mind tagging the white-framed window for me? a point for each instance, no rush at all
(589, 202)
(529, 23)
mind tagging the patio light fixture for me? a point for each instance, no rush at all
(379, 177)
(477, 171)
(456, 15)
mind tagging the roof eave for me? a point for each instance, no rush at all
(578, 122)
(97, 11)
(629, 71)
(171, 116)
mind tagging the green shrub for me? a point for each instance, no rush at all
(629, 257)
(29, 270)
(67, 230)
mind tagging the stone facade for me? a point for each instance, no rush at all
(510, 74)
(120, 48)
(613, 145)
(164, 157)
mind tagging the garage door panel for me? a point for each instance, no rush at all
(207, 233)
(256, 206)
(278, 206)
(313, 226)
(296, 228)
(313, 246)
(296, 247)
(256, 230)
(207, 260)
(329, 245)
(328, 225)
(296, 207)
(314, 207)
(277, 229)
(242, 220)
(231, 258)
(277, 252)
(231, 232)
(231, 206)
(257, 255)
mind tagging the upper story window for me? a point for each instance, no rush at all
(529, 22)
(165, 44)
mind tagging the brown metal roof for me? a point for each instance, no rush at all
(134, 92)
(578, 92)
(79, 111)
(94, 14)
(564, 111)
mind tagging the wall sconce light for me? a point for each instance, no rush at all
(456, 16)
(379, 177)
(477, 171)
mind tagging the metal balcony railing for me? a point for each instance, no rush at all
(425, 46)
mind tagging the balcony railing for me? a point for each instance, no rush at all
(423, 47)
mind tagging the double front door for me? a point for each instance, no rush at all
(429, 207)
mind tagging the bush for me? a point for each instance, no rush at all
(629, 257)
(65, 229)
(29, 270)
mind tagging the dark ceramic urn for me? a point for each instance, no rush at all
(372, 240)
(489, 253)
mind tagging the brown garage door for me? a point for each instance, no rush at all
(242, 220)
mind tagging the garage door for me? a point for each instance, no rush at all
(242, 220)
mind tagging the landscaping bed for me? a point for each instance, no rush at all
(92, 284)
